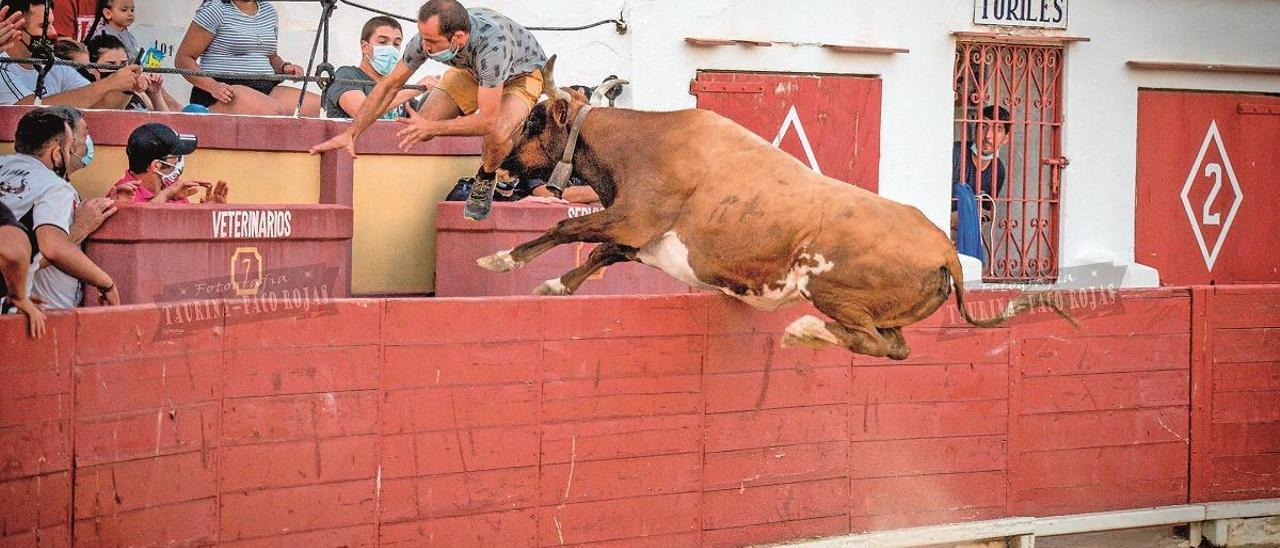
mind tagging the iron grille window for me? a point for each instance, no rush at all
(1019, 212)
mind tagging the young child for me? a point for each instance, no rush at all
(114, 18)
(71, 50)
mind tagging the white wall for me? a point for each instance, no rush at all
(1100, 130)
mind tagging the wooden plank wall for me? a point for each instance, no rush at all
(672, 420)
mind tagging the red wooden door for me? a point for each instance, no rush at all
(1208, 186)
(829, 122)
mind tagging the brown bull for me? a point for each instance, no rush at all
(717, 207)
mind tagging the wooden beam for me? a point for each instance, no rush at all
(839, 48)
(845, 48)
(1029, 39)
(936, 534)
(1243, 509)
(1122, 519)
(707, 41)
(1202, 67)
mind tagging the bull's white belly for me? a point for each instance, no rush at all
(670, 255)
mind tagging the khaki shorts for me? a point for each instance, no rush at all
(462, 88)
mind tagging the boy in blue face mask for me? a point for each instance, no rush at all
(379, 53)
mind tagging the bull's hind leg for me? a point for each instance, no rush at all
(812, 332)
(602, 256)
(594, 228)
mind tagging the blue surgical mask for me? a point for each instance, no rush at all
(384, 59)
(444, 56)
(88, 153)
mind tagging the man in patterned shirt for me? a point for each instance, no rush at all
(492, 83)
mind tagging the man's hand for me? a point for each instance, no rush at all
(35, 317)
(216, 193)
(420, 130)
(10, 26)
(91, 214)
(292, 69)
(125, 79)
(343, 140)
(110, 297)
(580, 195)
(123, 194)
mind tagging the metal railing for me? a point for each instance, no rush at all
(1021, 236)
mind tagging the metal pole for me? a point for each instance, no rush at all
(321, 30)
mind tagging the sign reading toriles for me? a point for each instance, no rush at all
(1048, 14)
(252, 224)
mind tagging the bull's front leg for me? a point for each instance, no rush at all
(602, 256)
(594, 228)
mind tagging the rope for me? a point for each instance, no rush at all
(215, 75)
(620, 23)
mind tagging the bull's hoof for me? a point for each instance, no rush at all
(552, 288)
(808, 332)
(499, 262)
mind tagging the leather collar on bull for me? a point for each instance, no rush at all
(560, 175)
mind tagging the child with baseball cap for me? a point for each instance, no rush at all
(157, 156)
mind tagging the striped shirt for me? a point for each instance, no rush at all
(241, 43)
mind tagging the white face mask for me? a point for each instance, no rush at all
(172, 177)
(978, 153)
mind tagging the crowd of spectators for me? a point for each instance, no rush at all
(43, 218)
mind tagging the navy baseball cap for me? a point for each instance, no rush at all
(156, 141)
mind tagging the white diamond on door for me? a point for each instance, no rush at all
(1205, 190)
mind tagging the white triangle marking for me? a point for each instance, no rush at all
(793, 120)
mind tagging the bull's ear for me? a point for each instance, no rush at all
(560, 112)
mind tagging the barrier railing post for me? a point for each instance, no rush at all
(1201, 394)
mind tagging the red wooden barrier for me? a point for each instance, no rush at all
(459, 242)
(164, 253)
(1236, 425)
(672, 420)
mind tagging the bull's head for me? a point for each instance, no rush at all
(541, 141)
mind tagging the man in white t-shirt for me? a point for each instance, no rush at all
(51, 144)
(63, 85)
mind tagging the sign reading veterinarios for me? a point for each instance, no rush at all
(1049, 14)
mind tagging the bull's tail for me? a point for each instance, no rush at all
(1023, 303)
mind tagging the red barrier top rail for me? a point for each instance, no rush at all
(250, 133)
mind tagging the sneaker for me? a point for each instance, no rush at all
(481, 199)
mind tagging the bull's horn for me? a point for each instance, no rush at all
(549, 81)
(602, 91)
